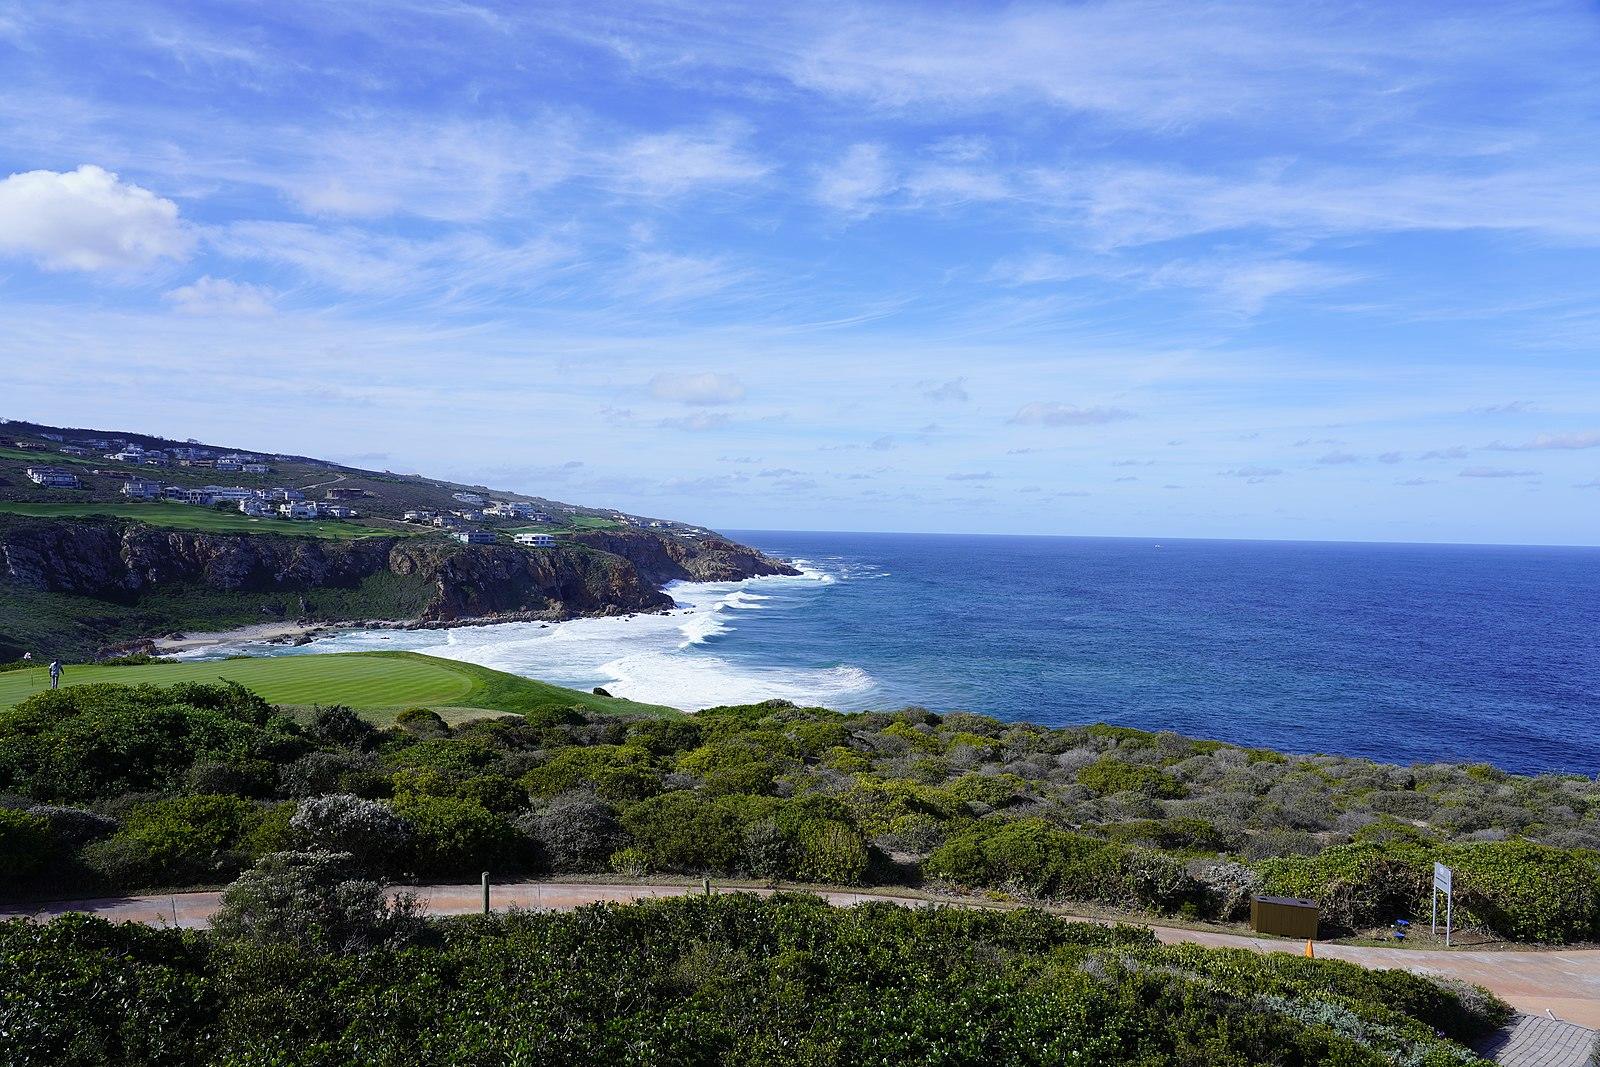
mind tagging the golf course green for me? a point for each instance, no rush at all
(377, 684)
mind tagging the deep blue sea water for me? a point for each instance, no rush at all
(1404, 653)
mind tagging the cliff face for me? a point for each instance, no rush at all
(665, 558)
(606, 573)
(477, 581)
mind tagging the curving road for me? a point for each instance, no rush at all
(1561, 983)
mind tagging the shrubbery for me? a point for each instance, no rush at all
(143, 787)
(306, 976)
(313, 900)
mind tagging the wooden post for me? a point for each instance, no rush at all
(486, 892)
(705, 884)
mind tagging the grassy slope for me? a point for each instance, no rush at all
(188, 517)
(376, 683)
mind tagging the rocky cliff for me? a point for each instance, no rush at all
(667, 557)
(602, 573)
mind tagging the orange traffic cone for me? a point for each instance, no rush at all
(1310, 954)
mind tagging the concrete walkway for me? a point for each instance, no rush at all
(1539, 1041)
(1565, 983)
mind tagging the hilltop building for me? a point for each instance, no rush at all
(53, 478)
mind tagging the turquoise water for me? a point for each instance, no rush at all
(1405, 653)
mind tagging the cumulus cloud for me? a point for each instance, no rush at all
(1389, 457)
(1045, 413)
(976, 476)
(1496, 472)
(1334, 459)
(1569, 441)
(219, 296)
(87, 219)
(705, 389)
(1453, 452)
(1419, 481)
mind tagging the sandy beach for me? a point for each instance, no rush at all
(261, 631)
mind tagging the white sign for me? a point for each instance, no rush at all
(1443, 879)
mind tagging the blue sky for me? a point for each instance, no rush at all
(1153, 268)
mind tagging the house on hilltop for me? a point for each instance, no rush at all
(53, 478)
(141, 489)
(474, 537)
(536, 540)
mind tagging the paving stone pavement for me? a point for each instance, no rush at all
(1538, 1041)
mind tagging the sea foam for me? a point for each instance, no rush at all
(668, 659)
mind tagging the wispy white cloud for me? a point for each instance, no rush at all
(1551, 441)
(705, 388)
(857, 182)
(220, 296)
(1050, 413)
(1496, 472)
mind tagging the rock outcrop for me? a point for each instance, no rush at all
(603, 572)
(668, 557)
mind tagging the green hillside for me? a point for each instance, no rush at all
(378, 684)
(185, 517)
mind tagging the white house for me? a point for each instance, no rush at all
(255, 468)
(231, 494)
(512, 509)
(299, 509)
(224, 466)
(467, 498)
(474, 537)
(280, 494)
(336, 511)
(418, 516)
(257, 509)
(536, 540)
(53, 478)
(141, 489)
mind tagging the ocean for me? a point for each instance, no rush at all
(1402, 653)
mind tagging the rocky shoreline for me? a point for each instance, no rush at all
(129, 565)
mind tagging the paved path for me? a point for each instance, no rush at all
(1538, 1041)
(1566, 983)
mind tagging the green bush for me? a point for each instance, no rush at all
(1529, 892)
(1357, 886)
(683, 832)
(619, 773)
(695, 980)
(1110, 775)
(458, 838)
(422, 722)
(314, 900)
(177, 842)
(1031, 856)
(25, 846)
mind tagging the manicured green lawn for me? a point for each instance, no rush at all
(50, 458)
(187, 517)
(375, 683)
